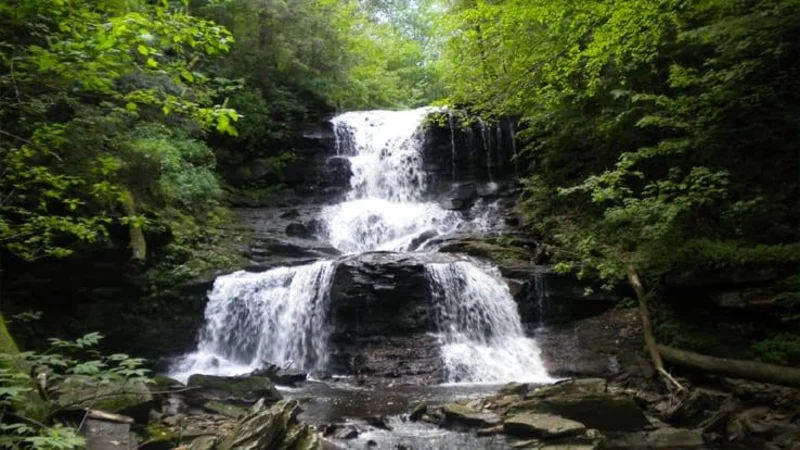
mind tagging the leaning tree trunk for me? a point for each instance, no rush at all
(767, 373)
(649, 338)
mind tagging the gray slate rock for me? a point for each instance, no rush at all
(246, 389)
(541, 426)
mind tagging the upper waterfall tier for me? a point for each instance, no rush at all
(385, 208)
(385, 153)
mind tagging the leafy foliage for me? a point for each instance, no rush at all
(660, 134)
(79, 79)
(63, 359)
(642, 119)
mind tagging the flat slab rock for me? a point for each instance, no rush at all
(465, 415)
(542, 426)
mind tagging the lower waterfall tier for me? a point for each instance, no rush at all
(423, 317)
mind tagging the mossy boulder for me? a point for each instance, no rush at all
(128, 397)
(242, 389)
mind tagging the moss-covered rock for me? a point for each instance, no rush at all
(242, 389)
(131, 397)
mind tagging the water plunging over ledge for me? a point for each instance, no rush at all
(281, 316)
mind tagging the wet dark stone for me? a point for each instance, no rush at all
(298, 230)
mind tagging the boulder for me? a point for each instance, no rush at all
(602, 412)
(464, 415)
(242, 389)
(282, 377)
(541, 426)
(129, 397)
(270, 427)
(572, 388)
(663, 438)
(419, 410)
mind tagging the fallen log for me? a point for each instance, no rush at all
(768, 373)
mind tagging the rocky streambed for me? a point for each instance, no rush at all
(251, 412)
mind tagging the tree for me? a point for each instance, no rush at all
(77, 78)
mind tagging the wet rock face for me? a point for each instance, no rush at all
(461, 150)
(381, 293)
(609, 345)
(382, 317)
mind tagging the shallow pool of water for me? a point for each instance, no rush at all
(343, 403)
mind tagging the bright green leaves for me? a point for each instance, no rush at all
(64, 362)
(655, 121)
(224, 117)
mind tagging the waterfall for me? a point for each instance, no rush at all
(385, 208)
(452, 144)
(486, 148)
(281, 316)
(540, 291)
(480, 328)
(277, 316)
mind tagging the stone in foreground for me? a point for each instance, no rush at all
(465, 415)
(245, 389)
(541, 426)
(274, 427)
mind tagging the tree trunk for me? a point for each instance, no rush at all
(649, 338)
(137, 241)
(755, 371)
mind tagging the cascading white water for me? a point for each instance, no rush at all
(280, 316)
(384, 209)
(479, 327)
(277, 316)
